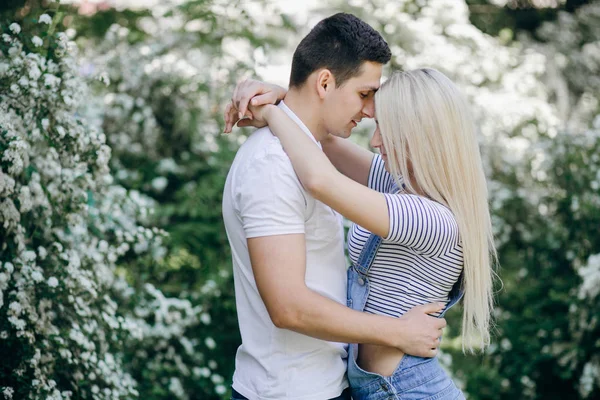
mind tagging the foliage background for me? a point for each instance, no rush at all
(152, 82)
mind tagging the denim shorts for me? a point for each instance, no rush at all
(414, 377)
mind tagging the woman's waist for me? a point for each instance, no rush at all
(382, 360)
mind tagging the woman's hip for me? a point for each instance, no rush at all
(414, 378)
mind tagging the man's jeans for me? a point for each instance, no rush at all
(344, 396)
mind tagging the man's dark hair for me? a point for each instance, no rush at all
(340, 43)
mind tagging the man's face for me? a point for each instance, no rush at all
(347, 105)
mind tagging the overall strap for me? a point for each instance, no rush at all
(456, 293)
(367, 255)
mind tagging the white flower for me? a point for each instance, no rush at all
(210, 343)
(9, 267)
(15, 28)
(61, 131)
(7, 184)
(160, 183)
(37, 276)
(15, 307)
(8, 392)
(205, 318)
(590, 274)
(52, 282)
(45, 123)
(42, 252)
(45, 19)
(29, 256)
(4, 67)
(51, 80)
(220, 389)
(103, 77)
(25, 199)
(35, 73)
(37, 41)
(176, 388)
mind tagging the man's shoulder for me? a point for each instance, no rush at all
(262, 150)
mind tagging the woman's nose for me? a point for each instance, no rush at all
(376, 139)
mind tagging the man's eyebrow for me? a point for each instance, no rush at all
(369, 88)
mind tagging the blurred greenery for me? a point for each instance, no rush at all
(517, 16)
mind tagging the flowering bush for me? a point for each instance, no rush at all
(71, 325)
(64, 227)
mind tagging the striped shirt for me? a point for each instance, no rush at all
(420, 259)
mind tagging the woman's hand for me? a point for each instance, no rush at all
(261, 114)
(250, 92)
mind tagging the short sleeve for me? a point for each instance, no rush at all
(420, 223)
(270, 198)
(379, 179)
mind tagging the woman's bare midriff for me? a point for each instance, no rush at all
(381, 360)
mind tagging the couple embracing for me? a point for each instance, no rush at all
(313, 328)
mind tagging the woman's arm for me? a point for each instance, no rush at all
(354, 201)
(349, 158)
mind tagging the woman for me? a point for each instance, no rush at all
(422, 230)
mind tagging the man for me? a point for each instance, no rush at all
(287, 248)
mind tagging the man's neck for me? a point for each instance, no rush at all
(307, 111)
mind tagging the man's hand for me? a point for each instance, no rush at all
(421, 332)
(249, 92)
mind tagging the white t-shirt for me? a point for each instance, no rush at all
(263, 197)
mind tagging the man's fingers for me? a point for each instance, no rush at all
(231, 117)
(428, 353)
(442, 323)
(431, 308)
(227, 118)
(235, 94)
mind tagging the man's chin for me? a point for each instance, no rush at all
(344, 134)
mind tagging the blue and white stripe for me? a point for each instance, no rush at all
(421, 258)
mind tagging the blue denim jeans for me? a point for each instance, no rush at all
(414, 377)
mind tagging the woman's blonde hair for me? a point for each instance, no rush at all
(425, 120)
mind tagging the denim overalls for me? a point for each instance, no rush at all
(415, 377)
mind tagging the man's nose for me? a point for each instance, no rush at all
(369, 108)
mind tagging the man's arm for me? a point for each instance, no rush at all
(349, 158)
(279, 264)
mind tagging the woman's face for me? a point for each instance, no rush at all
(377, 143)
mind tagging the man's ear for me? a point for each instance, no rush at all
(325, 82)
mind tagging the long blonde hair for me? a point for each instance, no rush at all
(424, 118)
